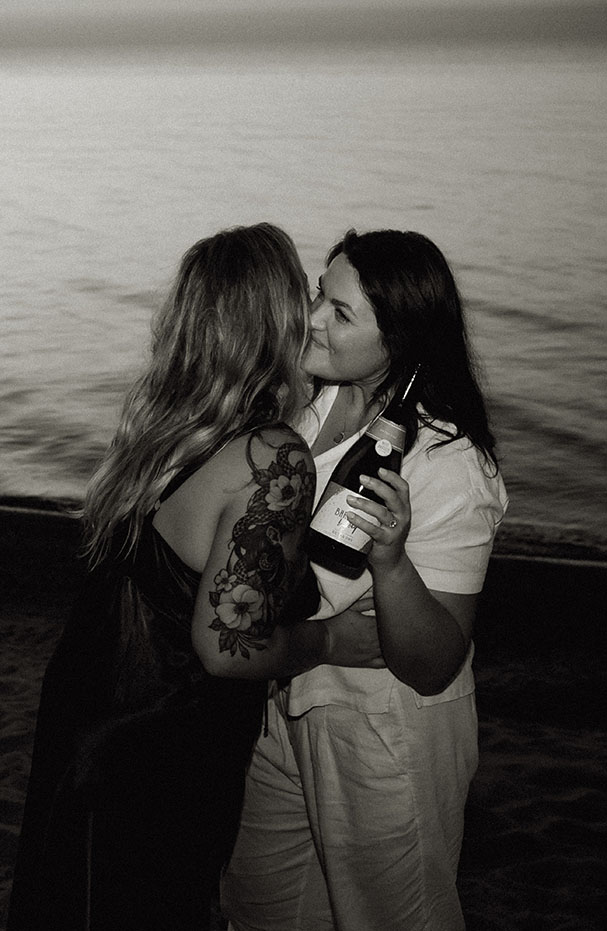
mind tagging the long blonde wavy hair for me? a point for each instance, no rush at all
(225, 360)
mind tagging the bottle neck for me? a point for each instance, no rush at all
(395, 409)
(392, 410)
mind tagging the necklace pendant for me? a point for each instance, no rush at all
(339, 437)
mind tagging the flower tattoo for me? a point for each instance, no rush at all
(284, 492)
(238, 608)
(251, 591)
(224, 581)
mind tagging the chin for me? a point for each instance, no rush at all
(312, 363)
(315, 372)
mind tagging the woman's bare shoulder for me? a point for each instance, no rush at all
(270, 471)
(273, 465)
(278, 447)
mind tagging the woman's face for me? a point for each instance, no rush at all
(346, 343)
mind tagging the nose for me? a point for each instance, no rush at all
(318, 313)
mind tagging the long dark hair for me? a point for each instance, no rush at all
(411, 288)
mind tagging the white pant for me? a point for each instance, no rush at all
(354, 822)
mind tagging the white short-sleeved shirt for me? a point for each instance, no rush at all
(456, 508)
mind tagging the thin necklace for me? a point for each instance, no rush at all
(340, 437)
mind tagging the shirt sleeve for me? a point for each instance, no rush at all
(457, 504)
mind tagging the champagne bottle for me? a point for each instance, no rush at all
(333, 541)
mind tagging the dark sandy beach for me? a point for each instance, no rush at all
(534, 855)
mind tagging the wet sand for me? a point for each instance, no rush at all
(536, 834)
(534, 854)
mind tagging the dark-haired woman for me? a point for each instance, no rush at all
(194, 529)
(353, 814)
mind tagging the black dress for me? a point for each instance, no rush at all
(139, 757)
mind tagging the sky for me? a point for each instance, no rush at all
(44, 23)
(39, 6)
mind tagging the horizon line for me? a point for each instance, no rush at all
(545, 23)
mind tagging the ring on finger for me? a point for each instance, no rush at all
(393, 522)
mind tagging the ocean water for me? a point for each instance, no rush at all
(112, 164)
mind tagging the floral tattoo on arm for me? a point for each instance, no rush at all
(251, 591)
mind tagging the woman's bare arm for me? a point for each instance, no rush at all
(256, 561)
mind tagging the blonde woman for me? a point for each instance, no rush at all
(194, 525)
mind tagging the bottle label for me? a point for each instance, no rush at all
(330, 519)
(383, 447)
(387, 433)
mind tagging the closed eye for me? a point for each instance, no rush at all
(340, 315)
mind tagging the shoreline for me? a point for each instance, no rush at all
(538, 600)
(514, 539)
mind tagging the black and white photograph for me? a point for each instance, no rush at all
(303, 505)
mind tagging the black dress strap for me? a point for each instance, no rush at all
(184, 474)
(178, 480)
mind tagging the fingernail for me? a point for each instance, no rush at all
(364, 478)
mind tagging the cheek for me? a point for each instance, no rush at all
(377, 352)
(360, 358)
(376, 358)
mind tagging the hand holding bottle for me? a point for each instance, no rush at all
(335, 542)
(393, 517)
